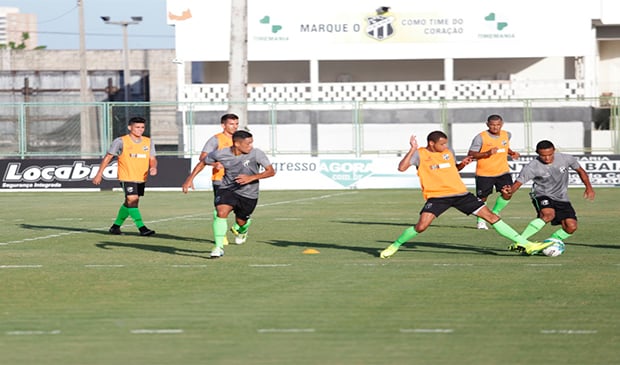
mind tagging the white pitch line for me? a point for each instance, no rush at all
(569, 332)
(543, 264)
(426, 330)
(191, 216)
(306, 199)
(286, 330)
(104, 265)
(32, 333)
(19, 266)
(189, 266)
(44, 237)
(453, 264)
(156, 331)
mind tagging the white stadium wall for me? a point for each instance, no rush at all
(340, 30)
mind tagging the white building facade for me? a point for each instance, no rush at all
(331, 80)
(424, 50)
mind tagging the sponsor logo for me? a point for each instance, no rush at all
(78, 171)
(346, 172)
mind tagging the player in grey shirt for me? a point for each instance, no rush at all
(549, 173)
(244, 166)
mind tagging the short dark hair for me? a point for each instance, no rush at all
(225, 117)
(435, 136)
(135, 120)
(494, 117)
(544, 145)
(239, 135)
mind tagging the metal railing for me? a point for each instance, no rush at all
(33, 130)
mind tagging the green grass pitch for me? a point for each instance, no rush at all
(72, 294)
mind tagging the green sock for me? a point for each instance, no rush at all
(123, 213)
(506, 231)
(407, 234)
(220, 226)
(134, 213)
(561, 234)
(214, 214)
(243, 228)
(533, 227)
(500, 204)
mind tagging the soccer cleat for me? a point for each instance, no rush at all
(514, 247)
(115, 229)
(533, 248)
(482, 225)
(217, 253)
(240, 238)
(146, 232)
(389, 251)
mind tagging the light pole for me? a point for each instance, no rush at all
(126, 73)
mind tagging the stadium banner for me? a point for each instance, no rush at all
(53, 174)
(293, 172)
(332, 173)
(402, 29)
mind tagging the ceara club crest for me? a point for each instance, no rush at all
(380, 26)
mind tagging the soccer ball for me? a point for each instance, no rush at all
(556, 249)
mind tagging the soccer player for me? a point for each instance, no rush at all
(491, 149)
(549, 173)
(230, 124)
(443, 188)
(238, 192)
(136, 159)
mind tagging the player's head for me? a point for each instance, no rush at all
(495, 123)
(230, 123)
(437, 141)
(136, 126)
(243, 141)
(135, 120)
(546, 151)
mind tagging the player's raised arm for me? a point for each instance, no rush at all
(405, 163)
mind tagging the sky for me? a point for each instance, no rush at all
(58, 23)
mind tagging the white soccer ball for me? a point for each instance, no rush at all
(556, 249)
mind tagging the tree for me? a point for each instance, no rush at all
(20, 45)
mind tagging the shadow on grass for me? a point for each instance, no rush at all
(367, 250)
(105, 232)
(106, 245)
(437, 247)
(410, 246)
(405, 224)
(614, 247)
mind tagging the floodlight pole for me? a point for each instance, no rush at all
(126, 72)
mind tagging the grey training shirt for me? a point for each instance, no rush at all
(244, 164)
(550, 179)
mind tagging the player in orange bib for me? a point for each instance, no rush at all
(491, 149)
(443, 188)
(230, 124)
(136, 160)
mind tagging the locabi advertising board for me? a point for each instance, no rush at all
(78, 174)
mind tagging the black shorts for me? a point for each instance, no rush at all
(216, 187)
(242, 206)
(133, 188)
(563, 210)
(466, 203)
(485, 184)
